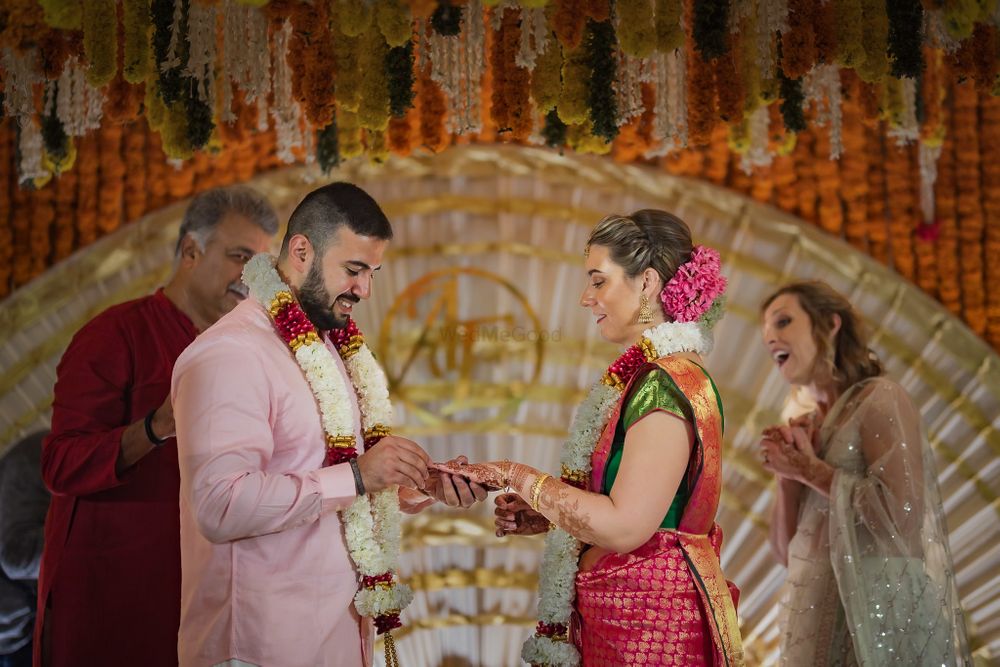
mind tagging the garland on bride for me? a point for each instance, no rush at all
(693, 300)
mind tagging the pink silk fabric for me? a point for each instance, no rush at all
(667, 602)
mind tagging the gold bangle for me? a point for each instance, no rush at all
(536, 490)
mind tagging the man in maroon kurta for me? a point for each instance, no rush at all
(109, 589)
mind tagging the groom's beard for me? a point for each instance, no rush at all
(317, 304)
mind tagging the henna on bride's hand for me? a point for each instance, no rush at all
(519, 475)
(569, 517)
(483, 473)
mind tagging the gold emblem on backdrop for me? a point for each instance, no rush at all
(461, 347)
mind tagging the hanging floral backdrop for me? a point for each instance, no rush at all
(875, 119)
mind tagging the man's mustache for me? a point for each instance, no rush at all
(350, 297)
(240, 289)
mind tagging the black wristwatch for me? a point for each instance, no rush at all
(148, 423)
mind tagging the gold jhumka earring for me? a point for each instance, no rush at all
(645, 312)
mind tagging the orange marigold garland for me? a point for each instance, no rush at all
(902, 206)
(830, 212)
(783, 173)
(223, 171)
(511, 106)
(43, 215)
(400, 135)
(597, 10)
(8, 183)
(798, 43)
(701, 114)
(729, 83)
(180, 179)
(87, 161)
(806, 189)
(946, 247)
(64, 237)
(112, 175)
(568, 21)
(970, 213)
(21, 236)
(825, 31)
(156, 171)
(134, 149)
(311, 55)
(854, 168)
(878, 231)
(989, 142)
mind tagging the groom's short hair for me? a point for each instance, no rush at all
(327, 209)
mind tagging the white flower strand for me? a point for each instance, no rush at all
(201, 60)
(372, 526)
(286, 112)
(928, 156)
(534, 37)
(557, 579)
(19, 102)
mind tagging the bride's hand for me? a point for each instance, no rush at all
(515, 517)
(453, 490)
(491, 475)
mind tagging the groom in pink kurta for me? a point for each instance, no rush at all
(267, 579)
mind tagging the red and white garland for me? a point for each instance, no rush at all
(372, 523)
(557, 582)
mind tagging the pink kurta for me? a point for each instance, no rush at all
(266, 575)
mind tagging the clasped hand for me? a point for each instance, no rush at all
(789, 450)
(513, 515)
(396, 461)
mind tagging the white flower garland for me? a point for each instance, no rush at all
(371, 525)
(557, 580)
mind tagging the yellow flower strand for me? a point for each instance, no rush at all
(63, 14)
(98, 17)
(850, 33)
(574, 94)
(875, 41)
(636, 27)
(395, 22)
(546, 78)
(137, 26)
(373, 112)
(349, 134)
(669, 32)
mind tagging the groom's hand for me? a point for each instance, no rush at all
(394, 461)
(453, 490)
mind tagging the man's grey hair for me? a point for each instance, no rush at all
(208, 209)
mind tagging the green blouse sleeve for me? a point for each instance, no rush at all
(656, 391)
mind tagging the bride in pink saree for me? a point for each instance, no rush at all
(631, 571)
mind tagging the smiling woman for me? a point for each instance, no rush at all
(858, 507)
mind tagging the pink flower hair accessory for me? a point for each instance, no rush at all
(696, 285)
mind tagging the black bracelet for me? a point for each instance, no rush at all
(148, 423)
(359, 484)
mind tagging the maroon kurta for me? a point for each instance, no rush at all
(111, 576)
